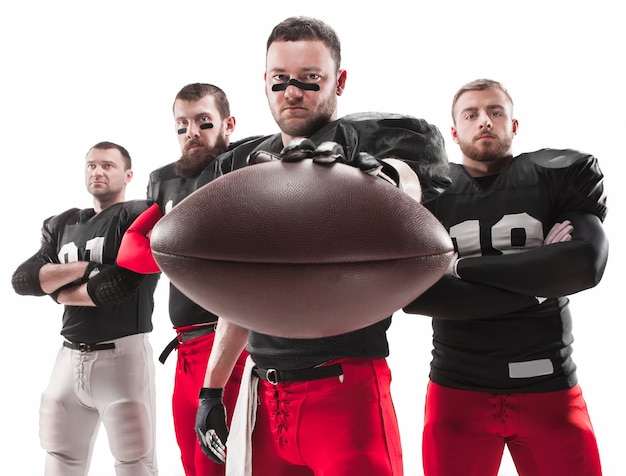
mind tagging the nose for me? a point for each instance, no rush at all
(193, 130)
(96, 171)
(486, 121)
(293, 92)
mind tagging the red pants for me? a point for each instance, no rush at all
(547, 434)
(190, 369)
(327, 427)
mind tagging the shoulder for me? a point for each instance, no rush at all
(574, 177)
(127, 211)
(394, 135)
(67, 217)
(237, 156)
(247, 140)
(407, 138)
(134, 206)
(558, 158)
(368, 121)
(162, 173)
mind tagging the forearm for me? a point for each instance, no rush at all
(54, 276)
(230, 341)
(75, 296)
(408, 180)
(455, 299)
(552, 270)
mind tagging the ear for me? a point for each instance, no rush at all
(230, 125)
(129, 176)
(341, 81)
(455, 138)
(515, 126)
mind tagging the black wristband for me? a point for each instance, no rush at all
(211, 392)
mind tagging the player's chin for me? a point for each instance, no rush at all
(299, 126)
(97, 188)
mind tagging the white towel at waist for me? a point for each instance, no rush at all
(239, 444)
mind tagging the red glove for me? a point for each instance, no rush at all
(135, 253)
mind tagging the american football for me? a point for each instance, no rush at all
(301, 250)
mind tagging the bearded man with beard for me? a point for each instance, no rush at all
(204, 125)
(528, 232)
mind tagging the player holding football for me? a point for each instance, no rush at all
(502, 371)
(204, 126)
(104, 371)
(324, 405)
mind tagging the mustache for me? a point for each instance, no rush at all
(486, 133)
(193, 143)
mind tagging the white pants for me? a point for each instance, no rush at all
(115, 387)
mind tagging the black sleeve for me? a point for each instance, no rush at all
(407, 138)
(553, 270)
(25, 279)
(456, 299)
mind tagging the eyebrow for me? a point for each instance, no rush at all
(200, 114)
(489, 107)
(305, 69)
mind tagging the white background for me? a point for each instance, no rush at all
(78, 72)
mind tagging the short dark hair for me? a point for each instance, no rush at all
(479, 85)
(104, 145)
(195, 91)
(307, 28)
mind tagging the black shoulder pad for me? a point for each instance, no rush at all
(557, 158)
(410, 139)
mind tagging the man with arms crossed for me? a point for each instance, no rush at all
(104, 371)
(528, 232)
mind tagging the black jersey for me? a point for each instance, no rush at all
(167, 190)
(530, 349)
(412, 140)
(383, 135)
(83, 235)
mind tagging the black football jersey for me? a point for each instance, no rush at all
(83, 235)
(382, 135)
(167, 190)
(529, 350)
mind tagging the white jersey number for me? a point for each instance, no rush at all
(93, 248)
(511, 234)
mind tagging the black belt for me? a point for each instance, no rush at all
(183, 337)
(88, 347)
(274, 376)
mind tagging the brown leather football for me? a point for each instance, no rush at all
(301, 250)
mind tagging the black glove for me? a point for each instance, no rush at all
(327, 153)
(211, 424)
(297, 149)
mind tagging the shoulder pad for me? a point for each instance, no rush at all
(408, 138)
(68, 217)
(246, 140)
(557, 158)
(162, 173)
(135, 206)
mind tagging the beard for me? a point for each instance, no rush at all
(488, 151)
(192, 163)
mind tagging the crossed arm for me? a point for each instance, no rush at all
(495, 285)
